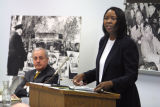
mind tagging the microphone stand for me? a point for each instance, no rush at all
(56, 73)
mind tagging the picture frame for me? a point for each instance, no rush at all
(143, 25)
(57, 34)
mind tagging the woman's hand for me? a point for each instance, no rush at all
(78, 80)
(106, 85)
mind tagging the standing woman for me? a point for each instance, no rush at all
(117, 61)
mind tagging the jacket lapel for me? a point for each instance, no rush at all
(99, 56)
(32, 76)
(110, 56)
(43, 74)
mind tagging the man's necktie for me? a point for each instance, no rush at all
(37, 73)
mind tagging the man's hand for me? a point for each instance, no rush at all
(14, 97)
(106, 85)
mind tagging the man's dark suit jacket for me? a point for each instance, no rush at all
(41, 78)
(121, 67)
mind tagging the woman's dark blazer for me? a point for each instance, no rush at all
(121, 67)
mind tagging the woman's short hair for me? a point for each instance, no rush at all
(121, 23)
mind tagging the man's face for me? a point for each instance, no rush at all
(19, 31)
(151, 10)
(40, 60)
(141, 6)
(139, 18)
(135, 6)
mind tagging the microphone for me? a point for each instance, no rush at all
(57, 71)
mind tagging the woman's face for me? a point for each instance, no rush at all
(110, 20)
(148, 32)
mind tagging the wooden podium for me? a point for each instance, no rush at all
(45, 96)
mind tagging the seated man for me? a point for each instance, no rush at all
(40, 74)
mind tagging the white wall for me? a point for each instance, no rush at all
(148, 86)
(92, 15)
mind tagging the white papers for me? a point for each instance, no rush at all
(82, 88)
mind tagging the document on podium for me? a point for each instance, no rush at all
(82, 88)
(64, 87)
(75, 88)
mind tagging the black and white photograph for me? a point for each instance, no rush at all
(143, 21)
(57, 34)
